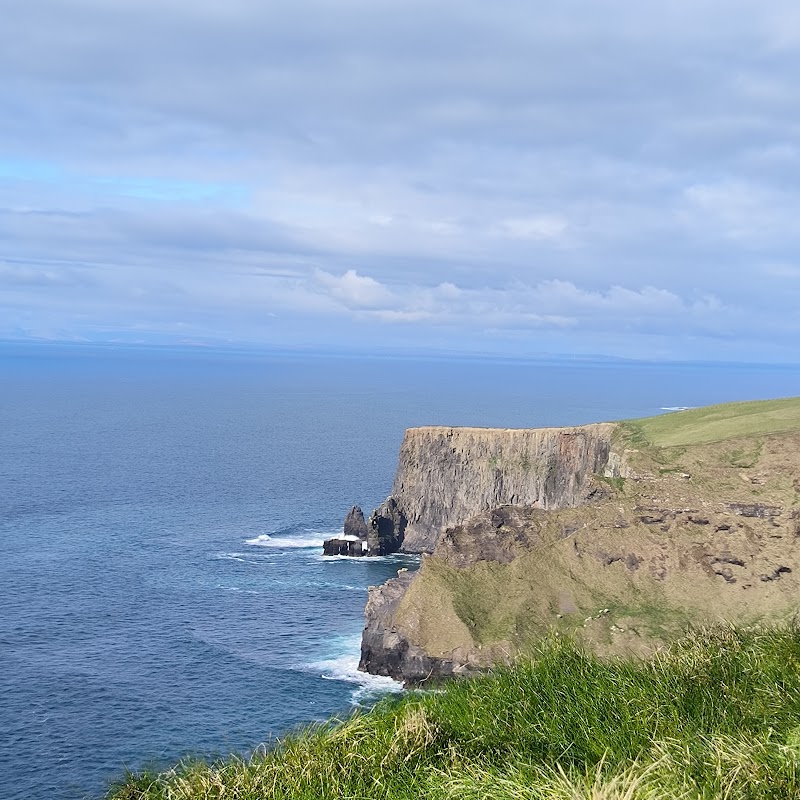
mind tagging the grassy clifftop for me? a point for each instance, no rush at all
(718, 423)
(715, 716)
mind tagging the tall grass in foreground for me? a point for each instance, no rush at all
(717, 715)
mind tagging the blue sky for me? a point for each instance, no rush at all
(608, 177)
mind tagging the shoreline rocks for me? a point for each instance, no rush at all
(387, 526)
(381, 536)
(344, 546)
(385, 650)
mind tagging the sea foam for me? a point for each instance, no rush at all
(344, 667)
(310, 540)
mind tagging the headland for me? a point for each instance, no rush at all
(621, 535)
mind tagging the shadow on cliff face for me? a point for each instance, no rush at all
(386, 528)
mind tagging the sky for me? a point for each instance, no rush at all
(573, 177)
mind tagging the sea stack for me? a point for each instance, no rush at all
(354, 523)
(353, 541)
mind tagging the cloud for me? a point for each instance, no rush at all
(553, 303)
(591, 168)
(354, 290)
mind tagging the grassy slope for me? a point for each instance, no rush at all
(721, 422)
(718, 715)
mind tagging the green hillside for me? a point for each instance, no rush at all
(721, 422)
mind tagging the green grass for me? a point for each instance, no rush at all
(716, 715)
(717, 423)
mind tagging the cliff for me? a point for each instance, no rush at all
(446, 475)
(620, 535)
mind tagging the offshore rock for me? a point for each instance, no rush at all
(344, 546)
(354, 523)
(447, 475)
(353, 541)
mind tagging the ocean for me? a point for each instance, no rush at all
(162, 588)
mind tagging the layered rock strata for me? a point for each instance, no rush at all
(447, 475)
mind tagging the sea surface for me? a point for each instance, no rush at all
(162, 589)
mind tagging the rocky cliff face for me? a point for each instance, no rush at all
(385, 650)
(447, 475)
(387, 525)
(665, 537)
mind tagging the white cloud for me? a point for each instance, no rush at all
(552, 303)
(354, 290)
(616, 166)
(615, 299)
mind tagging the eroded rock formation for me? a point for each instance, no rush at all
(355, 524)
(386, 528)
(354, 538)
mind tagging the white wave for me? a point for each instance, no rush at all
(267, 540)
(344, 667)
(676, 408)
(326, 585)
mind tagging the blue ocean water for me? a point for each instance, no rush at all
(162, 591)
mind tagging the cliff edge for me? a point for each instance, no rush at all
(621, 535)
(446, 475)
